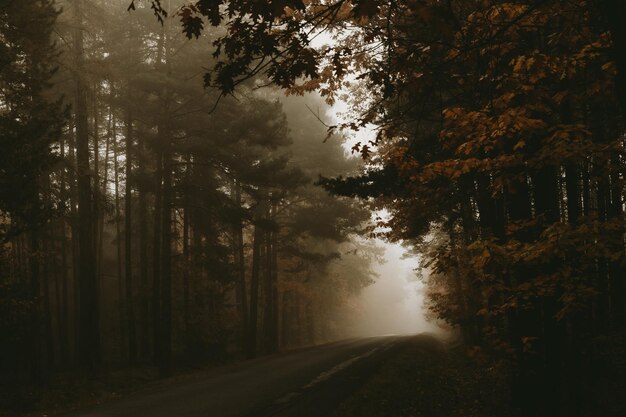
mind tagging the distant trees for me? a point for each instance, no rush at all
(30, 125)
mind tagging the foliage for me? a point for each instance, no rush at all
(30, 121)
(499, 152)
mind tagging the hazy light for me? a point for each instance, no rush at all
(394, 304)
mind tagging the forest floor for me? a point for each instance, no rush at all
(75, 390)
(428, 378)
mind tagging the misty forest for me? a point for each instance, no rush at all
(312, 208)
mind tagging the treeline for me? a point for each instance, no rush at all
(502, 142)
(143, 221)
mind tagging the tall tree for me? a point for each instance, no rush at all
(89, 333)
(30, 126)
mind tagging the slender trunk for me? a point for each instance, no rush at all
(73, 200)
(89, 343)
(47, 315)
(97, 196)
(615, 12)
(118, 247)
(35, 331)
(602, 302)
(547, 209)
(271, 313)
(268, 293)
(156, 260)
(157, 313)
(241, 291)
(56, 274)
(254, 282)
(103, 188)
(143, 265)
(186, 260)
(616, 270)
(310, 325)
(128, 272)
(166, 266)
(64, 302)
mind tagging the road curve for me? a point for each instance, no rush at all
(305, 383)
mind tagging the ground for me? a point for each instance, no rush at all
(372, 377)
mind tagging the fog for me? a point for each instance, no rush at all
(394, 303)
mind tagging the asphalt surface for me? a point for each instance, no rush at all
(310, 382)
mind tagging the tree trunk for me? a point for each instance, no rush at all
(186, 259)
(143, 264)
(615, 13)
(156, 260)
(165, 364)
(241, 291)
(89, 332)
(254, 281)
(64, 320)
(35, 330)
(118, 247)
(128, 260)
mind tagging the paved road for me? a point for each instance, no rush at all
(305, 383)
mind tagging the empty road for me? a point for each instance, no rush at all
(305, 383)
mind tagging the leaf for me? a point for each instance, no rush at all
(211, 10)
(365, 8)
(192, 25)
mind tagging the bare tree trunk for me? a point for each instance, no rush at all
(143, 266)
(186, 258)
(615, 13)
(47, 315)
(285, 324)
(35, 331)
(254, 281)
(128, 272)
(97, 196)
(165, 359)
(118, 246)
(165, 364)
(73, 200)
(156, 260)
(241, 290)
(64, 303)
(89, 343)
(271, 289)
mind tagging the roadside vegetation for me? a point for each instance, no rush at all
(427, 377)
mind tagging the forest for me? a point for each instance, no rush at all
(169, 196)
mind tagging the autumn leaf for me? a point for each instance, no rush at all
(365, 8)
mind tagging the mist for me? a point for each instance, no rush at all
(394, 303)
(295, 186)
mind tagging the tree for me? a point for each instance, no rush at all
(30, 123)
(497, 128)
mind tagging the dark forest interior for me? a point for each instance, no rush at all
(192, 185)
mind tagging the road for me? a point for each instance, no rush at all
(305, 383)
